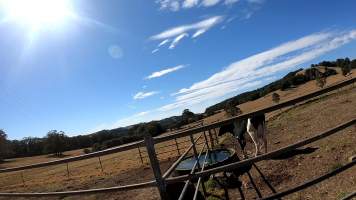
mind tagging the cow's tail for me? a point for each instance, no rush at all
(262, 134)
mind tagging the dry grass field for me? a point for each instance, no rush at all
(284, 127)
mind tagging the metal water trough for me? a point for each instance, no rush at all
(216, 158)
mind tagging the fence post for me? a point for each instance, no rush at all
(67, 170)
(161, 184)
(206, 141)
(101, 165)
(175, 139)
(139, 152)
(211, 138)
(216, 136)
(194, 150)
(22, 178)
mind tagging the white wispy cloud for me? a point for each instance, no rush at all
(175, 31)
(177, 39)
(163, 42)
(230, 2)
(142, 95)
(172, 5)
(208, 3)
(130, 120)
(154, 51)
(190, 3)
(256, 1)
(176, 5)
(165, 71)
(256, 69)
(176, 34)
(246, 74)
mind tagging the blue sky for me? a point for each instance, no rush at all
(114, 63)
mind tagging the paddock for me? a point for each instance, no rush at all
(189, 142)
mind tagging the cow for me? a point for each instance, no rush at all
(254, 126)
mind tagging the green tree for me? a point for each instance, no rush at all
(345, 70)
(231, 109)
(353, 64)
(34, 146)
(275, 97)
(188, 116)
(55, 142)
(153, 128)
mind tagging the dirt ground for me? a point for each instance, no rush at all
(313, 160)
(284, 127)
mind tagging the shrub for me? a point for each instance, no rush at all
(285, 85)
(231, 109)
(96, 147)
(86, 150)
(329, 72)
(320, 80)
(275, 97)
(345, 70)
(214, 190)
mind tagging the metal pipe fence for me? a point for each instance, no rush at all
(272, 154)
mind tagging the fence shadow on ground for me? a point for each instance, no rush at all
(295, 152)
(4, 161)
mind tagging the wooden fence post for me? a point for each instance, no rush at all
(139, 152)
(216, 136)
(23, 179)
(194, 150)
(175, 139)
(101, 165)
(67, 170)
(211, 139)
(161, 184)
(206, 141)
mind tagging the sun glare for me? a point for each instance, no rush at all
(37, 13)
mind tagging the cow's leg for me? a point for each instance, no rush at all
(263, 136)
(236, 144)
(253, 134)
(242, 146)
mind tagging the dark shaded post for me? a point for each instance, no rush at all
(139, 152)
(161, 184)
(206, 140)
(194, 150)
(211, 139)
(101, 165)
(23, 179)
(216, 136)
(175, 139)
(67, 169)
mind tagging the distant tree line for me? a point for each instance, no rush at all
(56, 142)
(292, 79)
